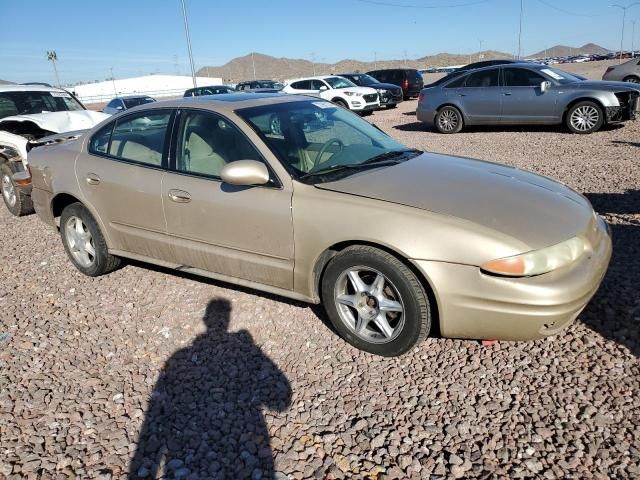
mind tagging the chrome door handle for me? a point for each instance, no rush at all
(179, 196)
(93, 179)
(507, 94)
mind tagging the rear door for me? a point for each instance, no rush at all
(120, 177)
(480, 97)
(241, 232)
(523, 101)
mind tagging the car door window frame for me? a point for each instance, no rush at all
(503, 78)
(165, 147)
(274, 180)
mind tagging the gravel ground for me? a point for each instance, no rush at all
(147, 371)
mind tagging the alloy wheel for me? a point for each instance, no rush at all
(369, 304)
(448, 120)
(585, 118)
(8, 191)
(80, 241)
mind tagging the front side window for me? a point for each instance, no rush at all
(521, 77)
(139, 138)
(100, 141)
(25, 103)
(207, 142)
(316, 136)
(318, 84)
(484, 78)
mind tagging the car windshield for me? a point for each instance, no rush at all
(317, 141)
(268, 84)
(560, 76)
(339, 82)
(134, 102)
(364, 80)
(26, 103)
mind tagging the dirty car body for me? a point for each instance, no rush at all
(28, 114)
(320, 206)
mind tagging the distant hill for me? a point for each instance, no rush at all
(564, 50)
(5, 82)
(268, 67)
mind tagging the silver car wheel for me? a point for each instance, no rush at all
(8, 191)
(585, 118)
(369, 304)
(448, 120)
(632, 80)
(80, 241)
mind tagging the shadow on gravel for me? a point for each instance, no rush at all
(615, 310)
(205, 415)
(413, 127)
(623, 142)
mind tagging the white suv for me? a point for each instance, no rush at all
(338, 90)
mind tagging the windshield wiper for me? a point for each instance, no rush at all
(384, 159)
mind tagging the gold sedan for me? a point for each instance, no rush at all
(296, 196)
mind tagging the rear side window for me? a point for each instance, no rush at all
(521, 77)
(138, 138)
(485, 78)
(302, 85)
(457, 83)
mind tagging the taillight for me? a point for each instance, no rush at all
(405, 83)
(420, 97)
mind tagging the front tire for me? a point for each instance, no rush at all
(341, 103)
(84, 243)
(449, 120)
(17, 202)
(375, 302)
(585, 117)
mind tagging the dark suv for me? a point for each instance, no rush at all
(390, 95)
(408, 78)
(260, 86)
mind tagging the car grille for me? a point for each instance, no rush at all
(370, 98)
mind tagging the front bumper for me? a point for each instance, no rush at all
(474, 305)
(358, 105)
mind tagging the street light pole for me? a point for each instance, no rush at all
(633, 37)
(254, 66)
(113, 81)
(520, 31)
(186, 31)
(624, 17)
(52, 56)
(480, 51)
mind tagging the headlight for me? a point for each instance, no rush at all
(353, 94)
(382, 92)
(538, 261)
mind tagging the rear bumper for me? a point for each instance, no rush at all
(478, 306)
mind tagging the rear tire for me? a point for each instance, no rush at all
(631, 79)
(84, 243)
(584, 117)
(17, 202)
(375, 302)
(449, 120)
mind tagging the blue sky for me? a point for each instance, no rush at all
(143, 36)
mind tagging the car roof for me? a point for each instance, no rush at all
(29, 88)
(227, 102)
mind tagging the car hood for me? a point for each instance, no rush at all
(362, 90)
(607, 85)
(387, 86)
(532, 209)
(58, 122)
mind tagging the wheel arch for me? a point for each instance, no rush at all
(583, 99)
(60, 201)
(633, 75)
(325, 257)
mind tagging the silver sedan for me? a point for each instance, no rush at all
(526, 94)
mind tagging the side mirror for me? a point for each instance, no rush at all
(544, 86)
(323, 88)
(245, 172)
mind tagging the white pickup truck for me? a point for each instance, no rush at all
(29, 113)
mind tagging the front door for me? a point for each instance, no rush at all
(523, 100)
(121, 180)
(480, 97)
(242, 232)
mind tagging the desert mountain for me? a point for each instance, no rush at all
(563, 51)
(5, 82)
(268, 67)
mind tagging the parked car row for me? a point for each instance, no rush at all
(526, 93)
(296, 196)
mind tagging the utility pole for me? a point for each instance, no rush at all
(624, 17)
(375, 60)
(313, 61)
(480, 50)
(113, 81)
(188, 35)
(633, 37)
(520, 31)
(52, 56)
(254, 66)
(405, 57)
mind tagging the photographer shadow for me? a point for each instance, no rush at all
(204, 418)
